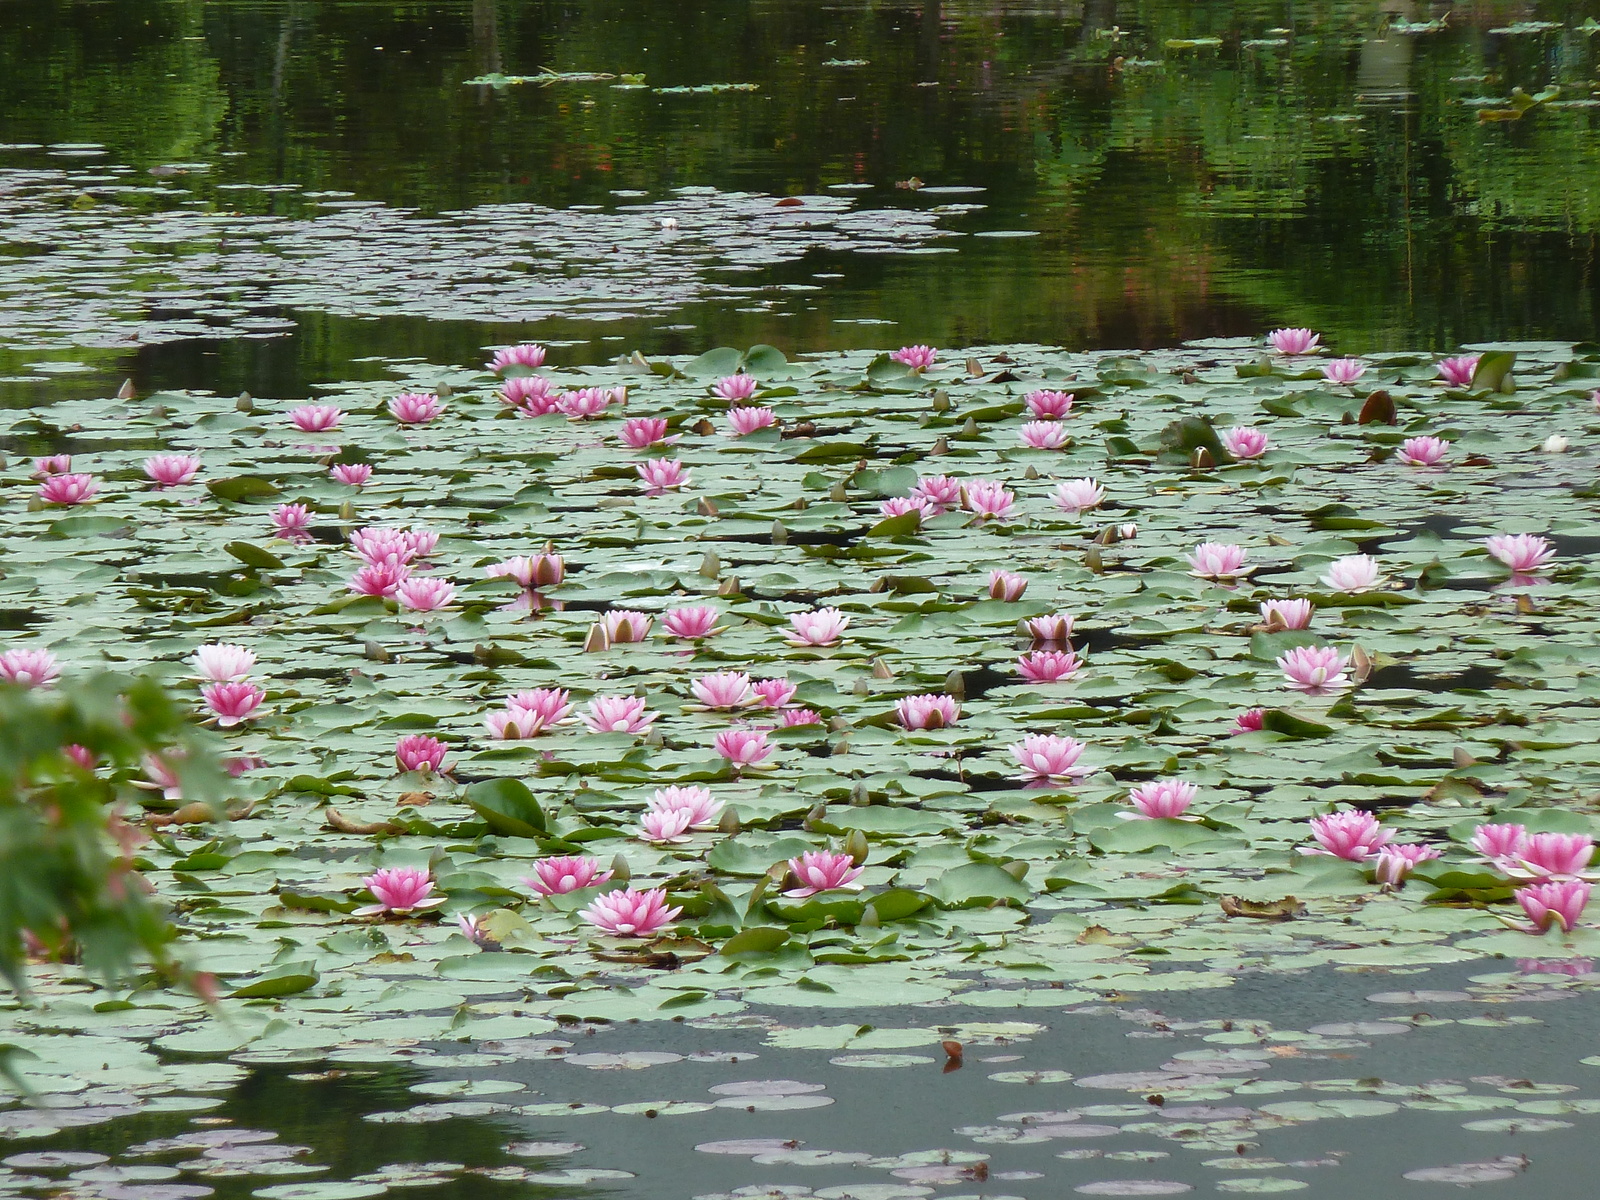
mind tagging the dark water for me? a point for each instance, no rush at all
(1316, 168)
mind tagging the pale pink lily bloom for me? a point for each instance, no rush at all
(1396, 861)
(1594, 399)
(618, 714)
(659, 474)
(292, 522)
(550, 705)
(1500, 844)
(399, 890)
(773, 693)
(899, 506)
(1344, 371)
(379, 579)
(1216, 560)
(221, 662)
(161, 776)
(1043, 435)
(513, 724)
(628, 913)
(1054, 627)
(987, 499)
(1458, 371)
(934, 710)
(626, 625)
(690, 623)
(1251, 720)
(68, 489)
(742, 747)
(743, 421)
(735, 388)
(1552, 904)
(1047, 758)
(566, 873)
(1162, 798)
(724, 690)
(415, 408)
(820, 627)
(29, 668)
(1006, 585)
(81, 755)
(1353, 834)
(1287, 614)
(641, 433)
(316, 418)
(232, 701)
(541, 570)
(419, 752)
(1245, 441)
(1551, 856)
(52, 464)
(1315, 670)
(350, 474)
(1078, 495)
(531, 396)
(382, 543)
(823, 871)
(1352, 573)
(586, 404)
(917, 358)
(665, 825)
(1049, 666)
(1560, 966)
(529, 354)
(1293, 341)
(799, 716)
(170, 470)
(424, 593)
(1522, 552)
(1047, 405)
(1423, 451)
(941, 491)
(703, 808)
(473, 929)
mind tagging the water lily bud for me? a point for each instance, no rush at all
(940, 446)
(881, 669)
(125, 392)
(620, 870)
(941, 401)
(1016, 868)
(1555, 444)
(729, 824)
(780, 535)
(1093, 560)
(1128, 532)
(955, 685)
(1031, 473)
(245, 403)
(859, 796)
(855, 845)
(837, 493)
(158, 412)
(1202, 460)
(347, 510)
(970, 429)
(710, 565)
(729, 586)
(597, 641)
(818, 812)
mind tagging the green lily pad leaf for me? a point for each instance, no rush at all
(288, 979)
(763, 360)
(1277, 720)
(254, 556)
(762, 939)
(1493, 371)
(977, 884)
(724, 360)
(243, 488)
(508, 806)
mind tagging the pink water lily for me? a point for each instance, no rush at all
(171, 470)
(629, 913)
(1354, 834)
(659, 474)
(666, 825)
(641, 433)
(774, 693)
(1550, 856)
(531, 396)
(1251, 720)
(350, 474)
(68, 489)
(1352, 573)
(1044, 435)
(52, 464)
(292, 522)
(799, 716)
(934, 710)
(1245, 441)
(1315, 670)
(821, 627)
(941, 491)
(1458, 371)
(735, 388)
(823, 871)
(161, 775)
(221, 662)
(415, 408)
(724, 690)
(1550, 904)
(535, 571)
(987, 499)
(1006, 585)
(81, 756)
(1049, 666)
(917, 358)
(379, 579)
(1079, 495)
(1423, 451)
(1162, 798)
(691, 622)
(513, 724)
(419, 752)
(529, 354)
(1287, 614)
(1501, 844)
(1343, 371)
(1047, 405)
(1216, 560)
(316, 418)
(1396, 861)
(550, 705)
(566, 873)
(1048, 758)
(899, 506)
(623, 625)
(1293, 341)
(382, 543)
(399, 892)
(619, 714)
(701, 806)
(1522, 552)
(1054, 627)
(424, 593)
(742, 747)
(232, 702)
(29, 668)
(744, 421)
(586, 404)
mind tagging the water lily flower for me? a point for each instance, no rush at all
(1054, 627)
(986, 499)
(1127, 532)
(696, 621)
(742, 747)
(379, 579)
(1555, 444)
(1049, 666)
(1293, 341)
(735, 388)
(160, 775)
(1048, 758)
(1315, 670)
(1423, 451)
(1047, 405)
(1500, 844)
(419, 752)
(1251, 720)
(1396, 861)
(170, 470)
(625, 625)
(351, 474)
(641, 433)
(1287, 614)
(628, 913)
(566, 873)
(1522, 552)
(232, 701)
(917, 358)
(541, 570)
(57, 464)
(665, 825)
(29, 668)
(550, 705)
(529, 355)
(316, 418)
(1458, 371)
(1344, 370)
(659, 474)
(823, 871)
(415, 408)
(380, 543)
(799, 716)
(773, 693)
(941, 491)
(292, 522)
(1551, 856)
(68, 489)
(513, 724)
(399, 891)
(1079, 495)
(223, 661)
(935, 710)
(531, 396)
(1162, 798)
(744, 421)
(820, 627)
(1216, 560)
(725, 690)
(81, 755)
(1043, 435)
(899, 506)
(1352, 573)
(585, 404)
(1006, 585)
(424, 593)
(618, 714)
(703, 809)
(1552, 904)
(1245, 441)
(1354, 834)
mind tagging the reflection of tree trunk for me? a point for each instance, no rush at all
(928, 40)
(485, 40)
(280, 63)
(1097, 15)
(1383, 72)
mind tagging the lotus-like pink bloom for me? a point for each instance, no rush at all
(1396, 861)
(725, 689)
(316, 418)
(81, 755)
(379, 543)
(232, 701)
(586, 404)
(935, 710)
(530, 395)
(424, 593)
(543, 570)
(742, 421)
(550, 705)
(625, 625)
(399, 890)
(1043, 435)
(696, 621)
(703, 808)
(292, 522)
(29, 668)
(1293, 341)
(161, 776)
(941, 491)
(1079, 495)
(1048, 666)
(1551, 856)
(1522, 552)
(1352, 573)
(640, 433)
(987, 499)
(513, 724)
(1251, 720)
(773, 693)
(1006, 585)
(379, 579)
(1315, 670)
(1056, 627)
(419, 752)
(1047, 758)
(1343, 370)
(659, 474)
(1458, 371)
(1501, 844)
(918, 358)
(742, 747)
(223, 661)
(527, 355)
(821, 627)
(1552, 904)
(57, 464)
(665, 825)
(627, 913)
(799, 716)
(1162, 798)
(1047, 405)
(350, 474)
(1287, 614)
(68, 489)
(1245, 441)
(1353, 834)
(618, 714)
(1216, 560)
(735, 388)
(1423, 451)
(823, 871)
(567, 873)
(899, 506)
(415, 408)
(170, 470)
